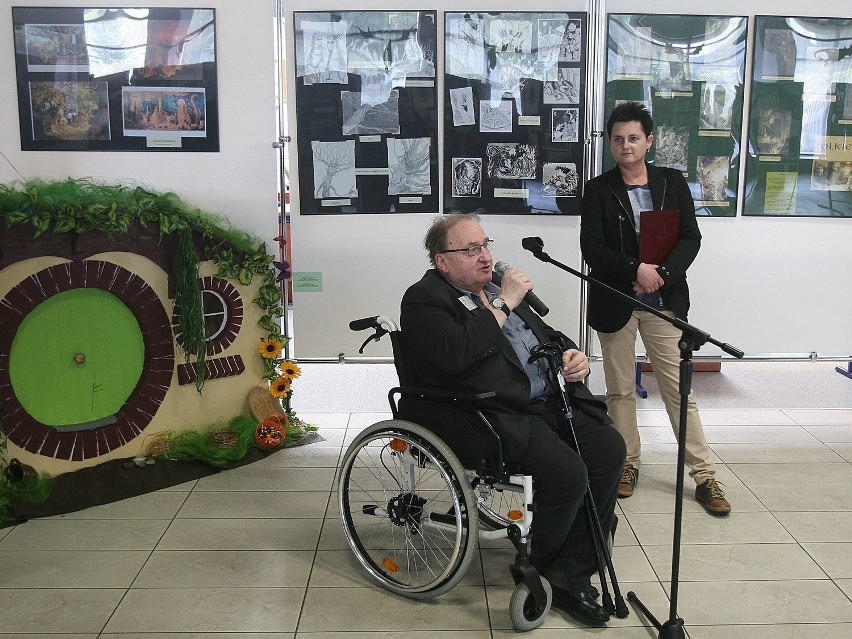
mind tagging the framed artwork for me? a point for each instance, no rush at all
(514, 111)
(366, 111)
(799, 160)
(115, 79)
(689, 71)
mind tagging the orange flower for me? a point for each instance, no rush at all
(269, 348)
(280, 387)
(290, 370)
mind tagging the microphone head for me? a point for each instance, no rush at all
(500, 268)
(532, 243)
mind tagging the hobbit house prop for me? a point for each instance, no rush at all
(128, 318)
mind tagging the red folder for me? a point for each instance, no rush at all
(659, 232)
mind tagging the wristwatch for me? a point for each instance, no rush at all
(500, 304)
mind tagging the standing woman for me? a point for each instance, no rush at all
(609, 239)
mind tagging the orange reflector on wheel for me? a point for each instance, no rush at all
(390, 565)
(515, 515)
(398, 445)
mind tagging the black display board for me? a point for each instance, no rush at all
(514, 99)
(366, 111)
(112, 79)
(689, 71)
(799, 160)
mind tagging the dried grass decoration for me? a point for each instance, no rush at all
(207, 445)
(224, 438)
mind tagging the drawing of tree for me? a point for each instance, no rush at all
(334, 169)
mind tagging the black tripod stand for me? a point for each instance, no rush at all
(691, 340)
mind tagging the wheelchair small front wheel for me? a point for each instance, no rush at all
(524, 611)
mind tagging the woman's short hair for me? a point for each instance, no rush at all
(630, 111)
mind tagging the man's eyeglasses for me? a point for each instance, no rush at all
(473, 251)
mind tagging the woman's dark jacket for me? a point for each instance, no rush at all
(611, 249)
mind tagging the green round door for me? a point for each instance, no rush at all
(76, 357)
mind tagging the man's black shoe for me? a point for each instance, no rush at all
(580, 607)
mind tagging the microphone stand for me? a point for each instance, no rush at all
(691, 340)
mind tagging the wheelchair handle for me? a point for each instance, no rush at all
(383, 325)
(364, 323)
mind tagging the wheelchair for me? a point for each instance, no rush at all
(417, 492)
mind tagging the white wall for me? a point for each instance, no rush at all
(765, 285)
(239, 181)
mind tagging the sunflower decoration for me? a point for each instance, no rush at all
(270, 348)
(281, 387)
(289, 369)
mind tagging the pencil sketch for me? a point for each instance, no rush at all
(712, 177)
(408, 166)
(565, 89)
(717, 102)
(550, 34)
(779, 54)
(565, 125)
(831, 176)
(511, 161)
(672, 147)
(461, 100)
(370, 119)
(559, 179)
(325, 52)
(465, 46)
(572, 43)
(467, 177)
(509, 74)
(847, 103)
(495, 117)
(632, 55)
(510, 36)
(773, 131)
(334, 169)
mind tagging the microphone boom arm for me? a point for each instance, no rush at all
(698, 337)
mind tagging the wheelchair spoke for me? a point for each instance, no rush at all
(405, 511)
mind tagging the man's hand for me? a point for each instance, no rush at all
(514, 286)
(647, 279)
(575, 365)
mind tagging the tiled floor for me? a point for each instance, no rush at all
(258, 552)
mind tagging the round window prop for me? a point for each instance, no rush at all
(271, 432)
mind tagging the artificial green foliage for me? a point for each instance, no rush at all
(200, 445)
(35, 490)
(188, 301)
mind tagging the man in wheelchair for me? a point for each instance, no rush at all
(464, 332)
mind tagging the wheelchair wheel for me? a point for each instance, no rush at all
(494, 504)
(404, 501)
(522, 608)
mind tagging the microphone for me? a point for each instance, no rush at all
(532, 244)
(530, 298)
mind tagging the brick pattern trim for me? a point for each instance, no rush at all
(216, 368)
(146, 398)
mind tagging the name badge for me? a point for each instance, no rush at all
(468, 303)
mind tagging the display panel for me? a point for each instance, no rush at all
(366, 111)
(113, 79)
(799, 160)
(514, 111)
(689, 71)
